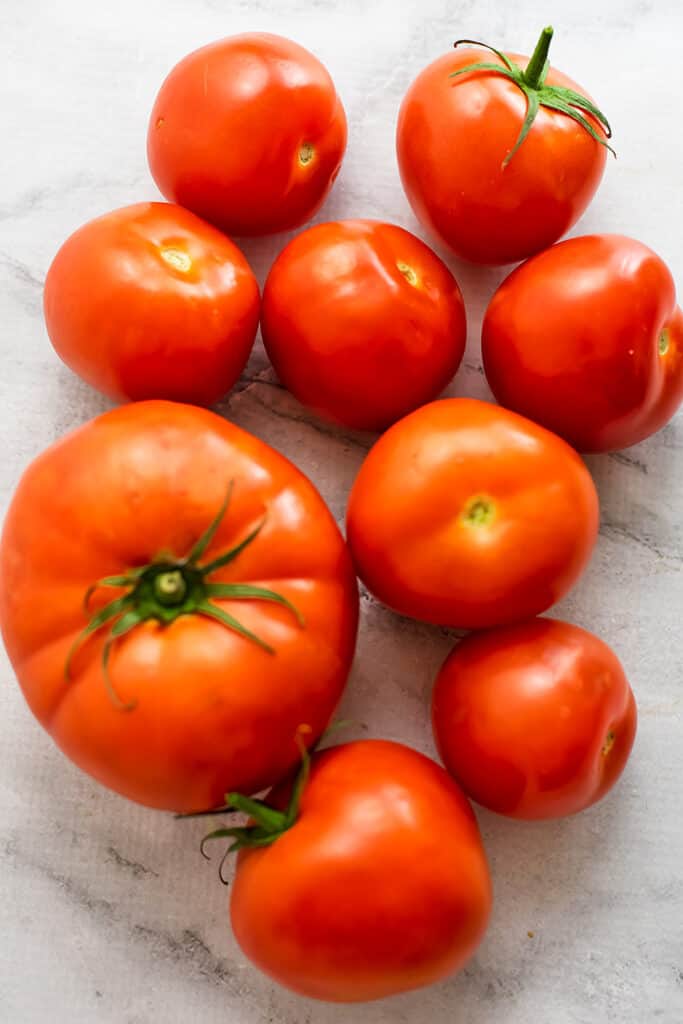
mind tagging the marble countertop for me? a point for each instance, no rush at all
(107, 913)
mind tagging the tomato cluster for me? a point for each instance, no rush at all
(178, 603)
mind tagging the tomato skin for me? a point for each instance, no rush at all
(381, 885)
(571, 339)
(453, 135)
(459, 516)
(535, 720)
(354, 336)
(213, 711)
(149, 301)
(230, 124)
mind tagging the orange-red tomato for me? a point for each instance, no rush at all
(587, 339)
(380, 886)
(535, 720)
(213, 653)
(465, 514)
(455, 137)
(151, 302)
(362, 322)
(249, 133)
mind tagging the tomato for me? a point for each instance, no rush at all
(499, 161)
(249, 133)
(587, 339)
(380, 885)
(465, 514)
(151, 302)
(535, 720)
(362, 322)
(175, 599)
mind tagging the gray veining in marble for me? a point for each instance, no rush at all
(107, 913)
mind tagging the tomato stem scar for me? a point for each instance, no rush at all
(306, 153)
(609, 742)
(478, 511)
(177, 259)
(663, 345)
(407, 271)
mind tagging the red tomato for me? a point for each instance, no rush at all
(234, 605)
(464, 514)
(151, 302)
(463, 175)
(362, 322)
(535, 720)
(381, 884)
(587, 339)
(249, 133)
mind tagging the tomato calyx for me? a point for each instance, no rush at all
(532, 83)
(267, 823)
(169, 587)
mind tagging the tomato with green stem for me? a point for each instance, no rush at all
(499, 154)
(175, 599)
(366, 878)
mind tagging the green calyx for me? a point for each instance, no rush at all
(532, 82)
(267, 823)
(169, 587)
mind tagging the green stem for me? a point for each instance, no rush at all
(537, 68)
(267, 823)
(532, 84)
(171, 586)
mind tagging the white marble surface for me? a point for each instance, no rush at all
(107, 913)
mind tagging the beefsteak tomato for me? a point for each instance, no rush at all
(465, 514)
(535, 720)
(362, 322)
(175, 599)
(151, 302)
(370, 879)
(249, 133)
(499, 154)
(586, 338)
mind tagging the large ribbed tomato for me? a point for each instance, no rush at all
(176, 601)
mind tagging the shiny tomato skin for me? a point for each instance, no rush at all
(249, 133)
(453, 135)
(212, 711)
(572, 338)
(362, 322)
(381, 886)
(464, 514)
(535, 720)
(150, 301)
